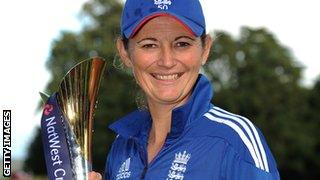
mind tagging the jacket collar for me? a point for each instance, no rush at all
(137, 124)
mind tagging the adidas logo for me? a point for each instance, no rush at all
(124, 172)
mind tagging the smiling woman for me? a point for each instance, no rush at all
(165, 58)
(181, 134)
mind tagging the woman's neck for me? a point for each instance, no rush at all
(161, 122)
(161, 119)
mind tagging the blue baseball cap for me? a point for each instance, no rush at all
(137, 12)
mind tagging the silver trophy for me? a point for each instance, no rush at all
(76, 98)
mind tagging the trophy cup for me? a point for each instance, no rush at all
(67, 122)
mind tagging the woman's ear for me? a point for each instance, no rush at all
(207, 47)
(123, 52)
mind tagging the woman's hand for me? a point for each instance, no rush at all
(94, 176)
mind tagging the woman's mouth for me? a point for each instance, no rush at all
(167, 77)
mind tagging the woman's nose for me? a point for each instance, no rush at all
(166, 58)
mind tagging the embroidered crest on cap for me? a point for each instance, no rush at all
(162, 4)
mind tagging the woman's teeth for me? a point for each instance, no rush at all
(166, 77)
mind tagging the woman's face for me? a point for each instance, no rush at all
(165, 58)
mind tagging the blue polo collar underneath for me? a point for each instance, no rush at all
(138, 123)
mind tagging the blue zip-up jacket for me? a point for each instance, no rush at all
(205, 143)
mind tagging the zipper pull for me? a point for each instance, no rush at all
(144, 172)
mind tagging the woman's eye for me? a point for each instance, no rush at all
(149, 45)
(182, 44)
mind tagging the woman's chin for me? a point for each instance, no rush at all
(170, 99)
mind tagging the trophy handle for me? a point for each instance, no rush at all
(98, 65)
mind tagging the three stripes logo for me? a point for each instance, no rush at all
(124, 172)
(247, 132)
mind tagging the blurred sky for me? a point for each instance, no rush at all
(28, 29)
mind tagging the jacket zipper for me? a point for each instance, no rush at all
(144, 155)
(144, 172)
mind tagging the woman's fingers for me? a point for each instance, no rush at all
(94, 176)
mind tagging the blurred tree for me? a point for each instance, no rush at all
(256, 76)
(96, 39)
(313, 118)
(35, 162)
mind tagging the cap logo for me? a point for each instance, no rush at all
(162, 4)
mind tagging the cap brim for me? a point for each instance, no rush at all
(190, 25)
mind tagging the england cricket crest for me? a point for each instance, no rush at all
(179, 166)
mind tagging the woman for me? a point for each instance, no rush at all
(181, 134)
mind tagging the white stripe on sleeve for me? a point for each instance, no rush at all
(240, 133)
(256, 135)
(246, 128)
